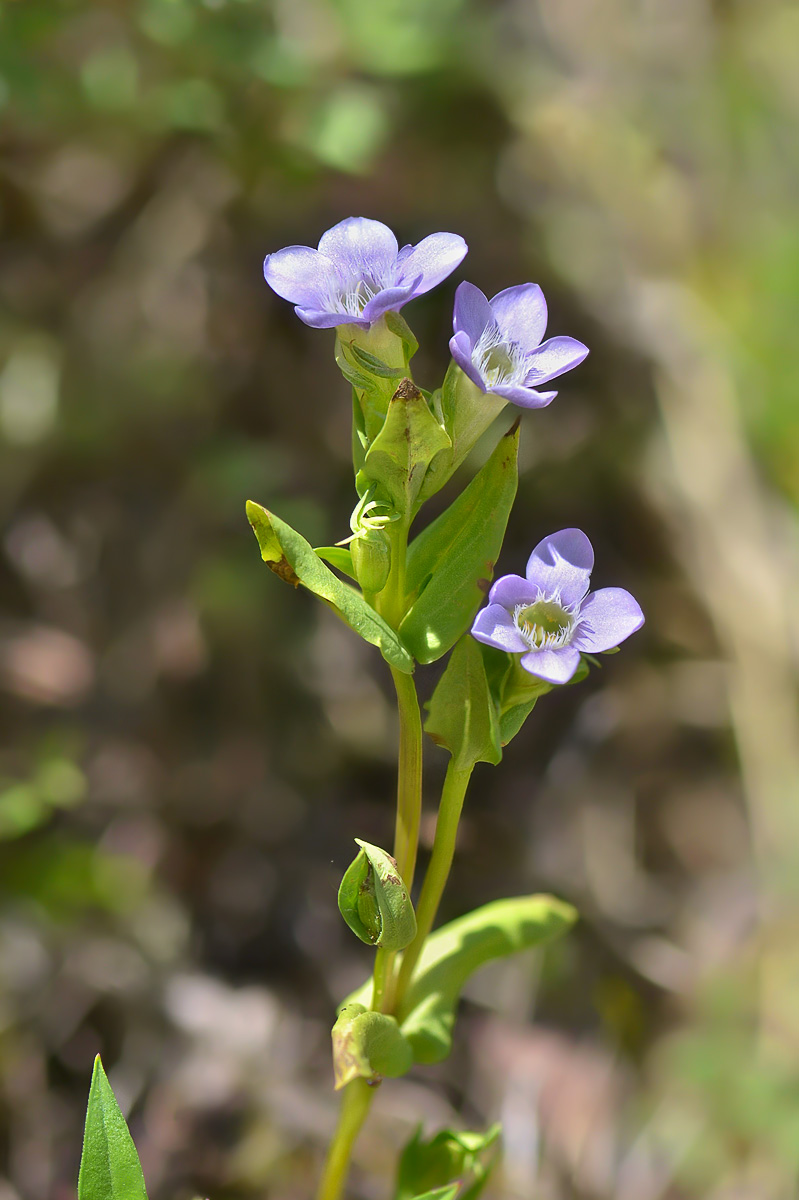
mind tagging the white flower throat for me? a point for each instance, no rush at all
(353, 298)
(499, 360)
(546, 624)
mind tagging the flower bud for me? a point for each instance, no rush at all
(371, 558)
(374, 900)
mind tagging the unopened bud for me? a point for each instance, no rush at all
(371, 558)
(374, 900)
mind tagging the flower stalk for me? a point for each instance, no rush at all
(355, 1105)
(449, 814)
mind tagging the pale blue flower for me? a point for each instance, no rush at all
(497, 343)
(359, 273)
(549, 616)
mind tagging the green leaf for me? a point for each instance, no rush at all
(368, 1045)
(443, 1193)
(288, 554)
(451, 563)
(448, 1158)
(401, 452)
(453, 953)
(462, 715)
(374, 900)
(109, 1165)
(339, 557)
(466, 413)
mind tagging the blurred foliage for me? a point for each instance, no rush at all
(189, 747)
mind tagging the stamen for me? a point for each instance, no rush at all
(546, 624)
(499, 360)
(353, 298)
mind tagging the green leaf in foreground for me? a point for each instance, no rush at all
(451, 562)
(109, 1165)
(462, 715)
(453, 953)
(449, 1159)
(288, 554)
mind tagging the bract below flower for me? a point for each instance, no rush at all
(549, 616)
(358, 273)
(497, 343)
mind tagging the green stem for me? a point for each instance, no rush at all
(355, 1105)
(449, 814)
(383, 974)
(409, 776)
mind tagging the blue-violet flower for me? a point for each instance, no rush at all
(549, 617)
(497, 343)
(359, 273)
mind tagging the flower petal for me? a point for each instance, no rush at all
(301, 275)
(562, 563)
(554, 666)
(521, 313)
(554, 357)
(389, 300)
(494, 626)
(607, 617)
(511, 590)
(472, 312)
(524, 397)
(319, 319)
(461, 350)
(432, 260)
(361, 247)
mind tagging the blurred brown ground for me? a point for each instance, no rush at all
(189, 747)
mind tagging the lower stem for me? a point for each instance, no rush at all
(356, 1102)
(409, 776)
(449, 815)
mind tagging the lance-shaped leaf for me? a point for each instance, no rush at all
(288, 554)
(451, 563)
(339, 557)
(466, 413)
(452, 1192)
(368, 1045)
(514, 690)
(401, 452)
(453, 953)
(449, 1158)
(109, 1165)
(462, 714)
(374, 900)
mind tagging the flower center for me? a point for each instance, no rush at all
(545, 624)
(499, 360)
(356, 294)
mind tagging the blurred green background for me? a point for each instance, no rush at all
(188, 746)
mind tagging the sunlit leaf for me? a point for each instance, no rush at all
(451, 562)
(109, 1165)
(288, 554)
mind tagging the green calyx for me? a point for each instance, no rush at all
(374, 900)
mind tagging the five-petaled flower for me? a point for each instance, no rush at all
(497, 343)
(359, 273)
(549, 617)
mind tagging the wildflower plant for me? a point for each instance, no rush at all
(416, 599)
